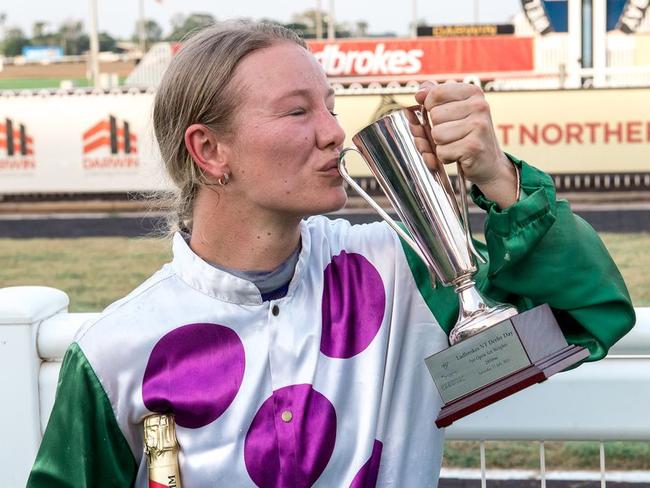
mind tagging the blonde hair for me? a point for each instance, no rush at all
(197, 89)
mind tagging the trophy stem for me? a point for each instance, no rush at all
(475, 313)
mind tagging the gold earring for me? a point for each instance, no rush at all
(223, 181)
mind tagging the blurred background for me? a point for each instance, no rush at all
(568, 82)
(80, 176)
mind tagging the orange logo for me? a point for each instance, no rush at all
(109, 144)
(106, 133)
(16, 147)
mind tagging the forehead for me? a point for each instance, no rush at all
(275, 71)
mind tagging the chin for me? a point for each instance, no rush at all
(338, 201)
(328, 204)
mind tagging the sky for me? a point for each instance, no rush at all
(118, 17)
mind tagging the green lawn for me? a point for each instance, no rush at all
(92, 271)
(558, 455)
(96, 271)
(36, 83)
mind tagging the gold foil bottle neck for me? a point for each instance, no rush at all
(161, 448)
(159, 434)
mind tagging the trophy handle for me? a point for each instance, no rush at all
(462, 188)
(389, 220)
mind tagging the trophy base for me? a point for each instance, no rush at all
(519, 352)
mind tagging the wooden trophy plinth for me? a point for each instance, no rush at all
(504, 359)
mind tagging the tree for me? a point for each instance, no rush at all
(38, 29)
(41, 37)
(73, 39)
(308, 19)
(182, 26)
(361, 29)
(305, 24)
(3, 21)
(106, 42)
(152, 32)
(14, 42)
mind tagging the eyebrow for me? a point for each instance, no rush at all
(304, 92)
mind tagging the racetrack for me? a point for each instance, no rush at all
(622, 217)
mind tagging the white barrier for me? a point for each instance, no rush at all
(601, 401)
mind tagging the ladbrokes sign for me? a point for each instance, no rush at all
(377, 61)
(16, 147)
(422, 57)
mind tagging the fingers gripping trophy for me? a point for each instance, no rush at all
(495, 350)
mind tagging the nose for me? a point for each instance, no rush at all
(329, 132)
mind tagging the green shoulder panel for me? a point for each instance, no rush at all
(83, 445)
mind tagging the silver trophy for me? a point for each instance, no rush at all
(400, 152)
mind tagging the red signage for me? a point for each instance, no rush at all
(106, 133)
(16, 147)
(421, 57)
(113, 146)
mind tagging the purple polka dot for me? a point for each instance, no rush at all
(291, 438)
(353, 305)
(194, 371)
(367, 475)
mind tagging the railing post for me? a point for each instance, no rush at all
(483, 470)
(542, 464)
(22, 309)
(603, 482)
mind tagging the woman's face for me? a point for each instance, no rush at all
(285, 144)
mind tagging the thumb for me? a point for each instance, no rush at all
(423, 91)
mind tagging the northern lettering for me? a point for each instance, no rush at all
(575, 133)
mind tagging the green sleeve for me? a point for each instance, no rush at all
(540, 252)
(83, 445)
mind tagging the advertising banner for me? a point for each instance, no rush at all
(465, 30)
(562, 131)
(104, 143)
(42, 53)
(424, 56)
(78, 144)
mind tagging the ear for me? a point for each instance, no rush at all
(206, 150)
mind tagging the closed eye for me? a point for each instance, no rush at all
(297, 112)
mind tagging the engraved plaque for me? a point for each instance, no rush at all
(477, 361)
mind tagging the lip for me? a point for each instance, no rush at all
(331, 167)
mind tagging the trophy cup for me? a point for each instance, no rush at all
(494, 350)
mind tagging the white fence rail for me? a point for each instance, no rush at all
(602, 401)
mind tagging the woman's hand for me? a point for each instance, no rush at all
(462, 129)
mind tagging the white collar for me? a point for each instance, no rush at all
(222, 285)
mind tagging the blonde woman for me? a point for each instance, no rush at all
(290, 347)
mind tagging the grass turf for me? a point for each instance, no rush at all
(97, 271)
(37, 83)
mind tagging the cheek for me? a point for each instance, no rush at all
(274, 153)
(289, 149)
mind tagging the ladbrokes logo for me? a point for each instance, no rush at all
(110, 145)
(362, 62)
(16, 147)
